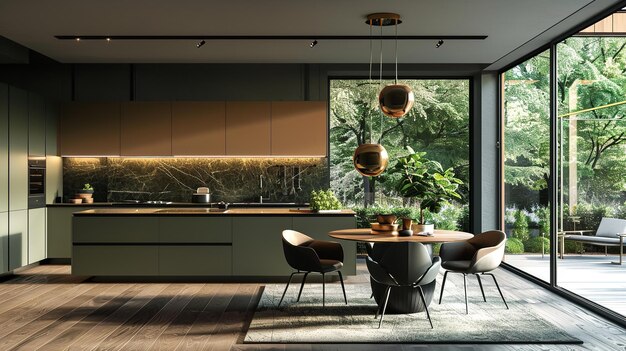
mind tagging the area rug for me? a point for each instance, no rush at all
(308, 322)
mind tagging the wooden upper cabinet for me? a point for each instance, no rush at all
(198, 128)
(299, 128)
(146, 129)
(248, 128)
(89, 129)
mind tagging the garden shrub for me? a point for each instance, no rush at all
(520, 227)
(534, 245)
(514, 246)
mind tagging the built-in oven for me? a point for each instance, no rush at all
(36, 182)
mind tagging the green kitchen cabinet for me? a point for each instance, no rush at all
(4, 242)
(4, 148)
(54, 163)
(111, 229)
(319, 227)
(36, 235)
(111, 260)
(59, 230)
(36, 125)
(195, 260)
(18, 149)
(18, 239)
(199, 229)
(257, 246)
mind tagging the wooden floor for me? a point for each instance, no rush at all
(45, 308)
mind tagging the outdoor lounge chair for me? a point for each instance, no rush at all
(610, 232)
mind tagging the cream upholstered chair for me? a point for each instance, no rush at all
(479, 255)
(306, 255)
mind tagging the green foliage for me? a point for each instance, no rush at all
(544, 220)
(534, 245)
(464, 219)
(514, 246)
(520, 227)
(324, 200)
(87, 187)
(437, 124)
(445, 219)
(426, 181)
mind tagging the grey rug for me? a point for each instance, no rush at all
(308, 322)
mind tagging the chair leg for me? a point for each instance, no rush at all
(380, 323)
(323, 290)
(281, 299)
(465, 288)
(500, 291)
(425, 306)
(302, 285)
(342, 287)
(480, 283)
(443, 285)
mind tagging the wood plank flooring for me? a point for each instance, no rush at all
(45, 308)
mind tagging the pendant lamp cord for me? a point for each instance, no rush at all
(380, 79)
(396, 82)
(370, 79)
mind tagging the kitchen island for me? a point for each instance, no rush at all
(173, 241)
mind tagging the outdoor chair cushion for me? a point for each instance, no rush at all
(611, 227)
(594, 239)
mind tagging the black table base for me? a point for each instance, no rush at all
(401, 299)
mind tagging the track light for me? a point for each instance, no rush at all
(439, 43)
(199, 45)
(313, 43)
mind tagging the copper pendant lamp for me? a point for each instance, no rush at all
(371, 159)
(395, 100)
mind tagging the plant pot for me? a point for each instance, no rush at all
(83, 195)
(386, 218)
(423, 228)
(407, 223)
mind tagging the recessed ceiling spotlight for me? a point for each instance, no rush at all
(108, 39)
(313, 43)
(199, 45)
(77, 39)
(439, 43)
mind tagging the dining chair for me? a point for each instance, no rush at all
(478, 256)
(425, 272)
(306, 255)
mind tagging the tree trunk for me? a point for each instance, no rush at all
(369, 189)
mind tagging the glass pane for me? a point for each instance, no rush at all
(592, 160)
(526, 156)
(438, 124)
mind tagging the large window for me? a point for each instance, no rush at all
(592, 160)
(588, 122)
(526, 156)
(438, 124)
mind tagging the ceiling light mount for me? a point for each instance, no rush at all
(383, 19)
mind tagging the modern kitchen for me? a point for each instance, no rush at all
(207, 182)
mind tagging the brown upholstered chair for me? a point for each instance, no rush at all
(306, 255)
(479, 255)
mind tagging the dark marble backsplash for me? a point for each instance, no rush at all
(175, 179)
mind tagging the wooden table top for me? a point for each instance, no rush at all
(364, 234)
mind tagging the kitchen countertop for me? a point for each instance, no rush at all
(179, 204)
(182, 211)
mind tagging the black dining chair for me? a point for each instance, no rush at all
(423, 272)
(478, 256)
(306, 255)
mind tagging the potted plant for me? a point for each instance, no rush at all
(324, 201)
(86, 192)
(427, 182)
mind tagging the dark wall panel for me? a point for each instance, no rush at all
(102, 82)
(154, 82)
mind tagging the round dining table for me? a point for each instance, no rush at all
(398, 252)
